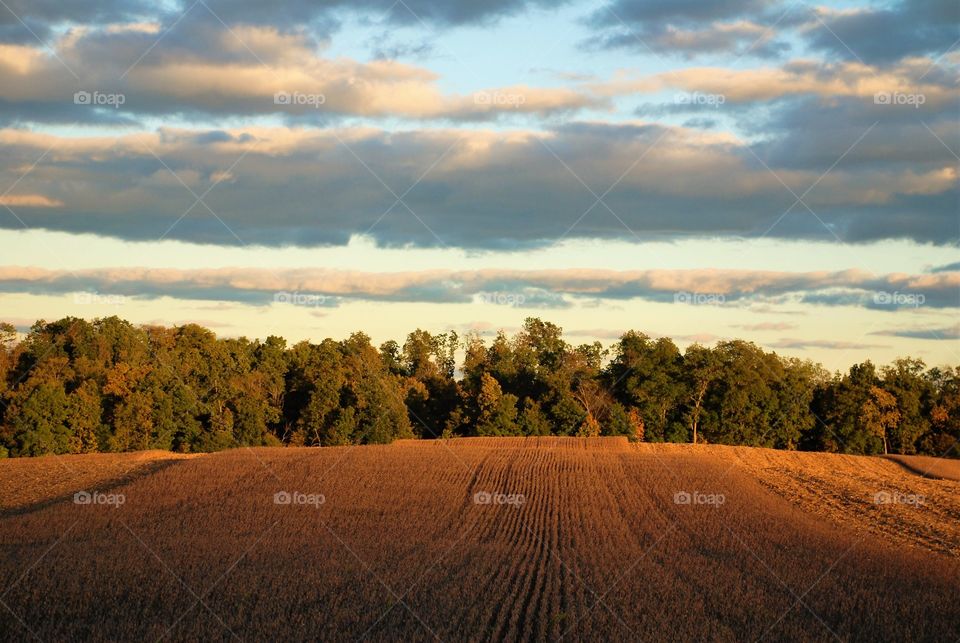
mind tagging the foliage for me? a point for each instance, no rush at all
(75, 386)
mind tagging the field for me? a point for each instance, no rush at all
(481, 539)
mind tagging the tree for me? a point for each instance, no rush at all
(40, 421)
(589, 428)
(8, 336)
(915, 395)
(532, 419)
(840, 404)
(497, 412)
(626, 422)
(316, 378)
(944, 435)
(375, 394)
(73, 386)
(701, 368)
(426, 366)
(794, 384)
(647, 374)
(880, 414)
(85, 418)
(744, 399)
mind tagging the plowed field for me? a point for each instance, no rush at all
(482, 539)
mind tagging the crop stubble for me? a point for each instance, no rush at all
(399, 549)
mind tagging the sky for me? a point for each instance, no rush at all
(780, 171)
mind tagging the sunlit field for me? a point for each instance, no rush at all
(481, 539)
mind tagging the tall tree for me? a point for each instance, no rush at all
(701, 368)
(880, 414)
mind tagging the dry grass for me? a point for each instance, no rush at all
(930, 467)
(29, 482)
(844, 489)
(599, 550)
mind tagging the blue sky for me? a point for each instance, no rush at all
(784, 172)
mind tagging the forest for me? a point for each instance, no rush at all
(78, 386)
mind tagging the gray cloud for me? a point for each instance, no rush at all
(19, 17)
(802, 344)
(678, 11)
(950, 267)
(737, 39)
(494, 287)
(202, 69)
(950, 333)
(887, 34)
(322, 16)
(690, 28)
(477, 189)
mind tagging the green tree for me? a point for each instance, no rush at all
(647, 374)
(914, 395)
(532, 420)
(40, 421)
(497, 411)
(701, 368)
(880, 415)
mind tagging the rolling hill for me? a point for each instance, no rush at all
(480, 539)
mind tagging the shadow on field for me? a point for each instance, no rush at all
(928, 467)
(105, 486)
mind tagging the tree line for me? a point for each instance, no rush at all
(77, 386)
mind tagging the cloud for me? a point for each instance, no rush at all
(765, 28)
(597, 333)
(690, 28)
(766, 326)
(803, 344)
(950, 267)
(941, 334)
(489, 287)
(25, 21)
(698, 338)
(634, 12)
(470, 188)
(739, 38)
(885, 34)
(409, 12)
(246, 70)
(28, 201)
(804, 77)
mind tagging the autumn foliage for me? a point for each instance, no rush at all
(76, 386)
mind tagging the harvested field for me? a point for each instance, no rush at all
(862, 494)
(29, 482)
(929, 467)
(490, 539)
